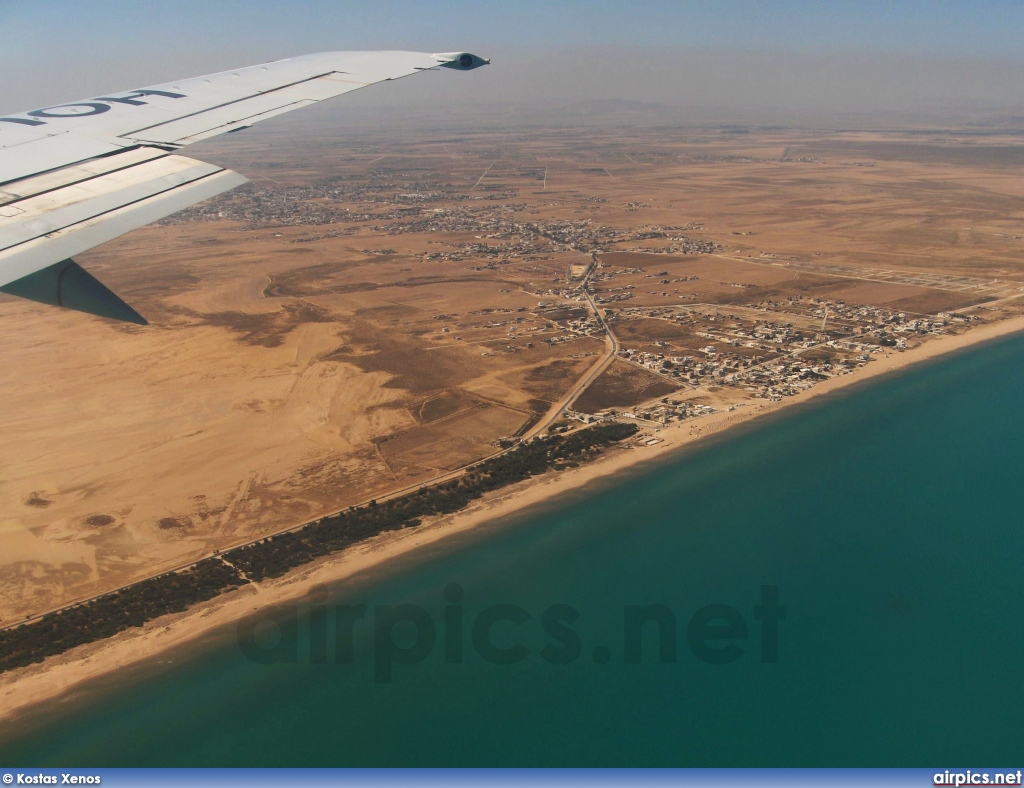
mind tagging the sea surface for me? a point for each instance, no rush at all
(888, 520)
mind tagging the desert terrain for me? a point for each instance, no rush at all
(379, 309)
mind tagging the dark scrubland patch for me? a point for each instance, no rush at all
(263, 329)
(937, 301)
(447, 403)
(144, 283)
(168, 523)
(648, 329)
(310, 280)
(822, 354)
(372, 348)
(416, 281)
(560, 369)
(922, 153)
(643, 260)
(391, 313)
(564, 314)
(205, 513)
(623, 385)
(175, 592)
(323, 280)
(99, 520)
(750, 352)
(802, 284)
(546, 383)
(455, 441)
(360, 287)
(534, 418)
(928, 234)
(38, 501)
(538, 408)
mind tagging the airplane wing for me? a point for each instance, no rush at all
(77, 175)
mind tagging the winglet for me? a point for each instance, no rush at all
(69, 285)
(462, 61)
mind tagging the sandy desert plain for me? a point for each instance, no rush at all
(379, 309)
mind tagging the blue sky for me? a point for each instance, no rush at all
(932, 26)
(66, 49)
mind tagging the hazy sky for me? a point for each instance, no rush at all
(844, 54)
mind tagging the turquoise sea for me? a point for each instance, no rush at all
(889, 518)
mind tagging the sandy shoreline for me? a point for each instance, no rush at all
(28, 688)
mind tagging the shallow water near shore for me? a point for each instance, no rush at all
(889, 519)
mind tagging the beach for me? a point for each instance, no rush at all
(61, 675)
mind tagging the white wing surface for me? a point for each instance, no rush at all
(77, 175)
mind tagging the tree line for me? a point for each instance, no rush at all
(175, 592)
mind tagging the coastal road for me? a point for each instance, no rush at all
(612, 349)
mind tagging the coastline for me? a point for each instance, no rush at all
(26, 688)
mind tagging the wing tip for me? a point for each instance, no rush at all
(462, 61)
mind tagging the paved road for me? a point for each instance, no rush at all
(612, 349)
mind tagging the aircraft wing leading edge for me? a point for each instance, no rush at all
(78, 175)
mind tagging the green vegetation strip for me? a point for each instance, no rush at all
(134, 605)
